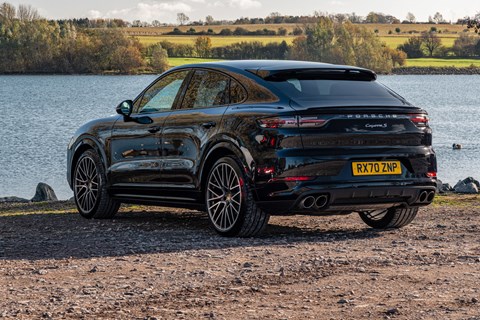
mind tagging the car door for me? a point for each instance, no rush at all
(136, 153)
(189, 128)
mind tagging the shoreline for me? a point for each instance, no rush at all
(471, 70)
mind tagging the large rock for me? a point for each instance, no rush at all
(472, 180)
(13, 200)
(466, 186)
(44, 193)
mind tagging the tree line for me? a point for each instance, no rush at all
(31, 44)
(429, 44)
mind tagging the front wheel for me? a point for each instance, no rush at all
(230, 204)
(389, 218)
(89, 188)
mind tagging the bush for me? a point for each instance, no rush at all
(226, 32)
(159, 59)
(297, 31)
(465, 45)
(412, 47)
(397, 30)
(282, 31)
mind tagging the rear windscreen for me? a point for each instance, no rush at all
(324, 89)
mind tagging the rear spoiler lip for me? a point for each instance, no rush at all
(265, 74)
(383, 109)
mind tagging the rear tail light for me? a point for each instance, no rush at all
(311, 122)
(432, 174)
(279, 122)
(420, 120)
(292, 122)
(292, 179)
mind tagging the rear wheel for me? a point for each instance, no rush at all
(230, 204)
(89, 188)
(389, 218)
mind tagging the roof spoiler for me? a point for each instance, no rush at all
(317, 74)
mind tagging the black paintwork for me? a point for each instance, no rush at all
(163, 157)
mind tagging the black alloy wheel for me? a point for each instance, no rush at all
(230, 204)
(91, 196)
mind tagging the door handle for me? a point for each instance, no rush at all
(154, 129)
(208, 125)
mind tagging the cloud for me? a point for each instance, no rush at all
(94, 14)
(337, 3)
(239, 4)
(144, 11)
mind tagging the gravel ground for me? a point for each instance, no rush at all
(160, 263)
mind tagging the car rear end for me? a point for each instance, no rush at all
(363, 147)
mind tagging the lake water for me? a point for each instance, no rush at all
(39, 114)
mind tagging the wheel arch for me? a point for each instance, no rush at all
(222, 149)
(84, 144)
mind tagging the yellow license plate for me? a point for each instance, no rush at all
(373, 168)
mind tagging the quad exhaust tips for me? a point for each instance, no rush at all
(314, 202)
(426, 196)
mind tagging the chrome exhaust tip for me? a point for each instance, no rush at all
(321, 201)
(430, 196)
(308, 202)
(423, 196)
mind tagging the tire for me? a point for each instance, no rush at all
(89, 188)
(389, 218)
(230, 205)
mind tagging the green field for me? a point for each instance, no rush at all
(394, 41)
(437, 62)
(175, 62)
(422, 62)
(217, 41)
(220, 41)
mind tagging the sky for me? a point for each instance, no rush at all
(166, 10)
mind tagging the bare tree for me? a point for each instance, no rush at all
(431, 42)
(411, 17)
(209, 20)
(182, 18)
(7, 12)
(27, 13)
(474, 23)
(438, 18)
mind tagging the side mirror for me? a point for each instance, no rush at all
(125, 108)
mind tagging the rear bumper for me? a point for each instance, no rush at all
(347, 197)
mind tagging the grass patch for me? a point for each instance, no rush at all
(175, 62)
(217, 41)
(394, 41)
(456, 200)
(442, 62)
(422, 62)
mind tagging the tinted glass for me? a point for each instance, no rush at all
(237, 92)
(333, 89)
(162, 94)
(206, 89)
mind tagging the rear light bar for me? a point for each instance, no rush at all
(432, 174)
(279, 122)
(290, 179)
(420, 120)
(292, 122)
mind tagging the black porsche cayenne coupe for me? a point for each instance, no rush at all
(244, 140)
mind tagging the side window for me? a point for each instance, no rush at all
(162, 94)
(237, 92)
(206, 89)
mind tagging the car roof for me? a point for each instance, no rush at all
(263, 68)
